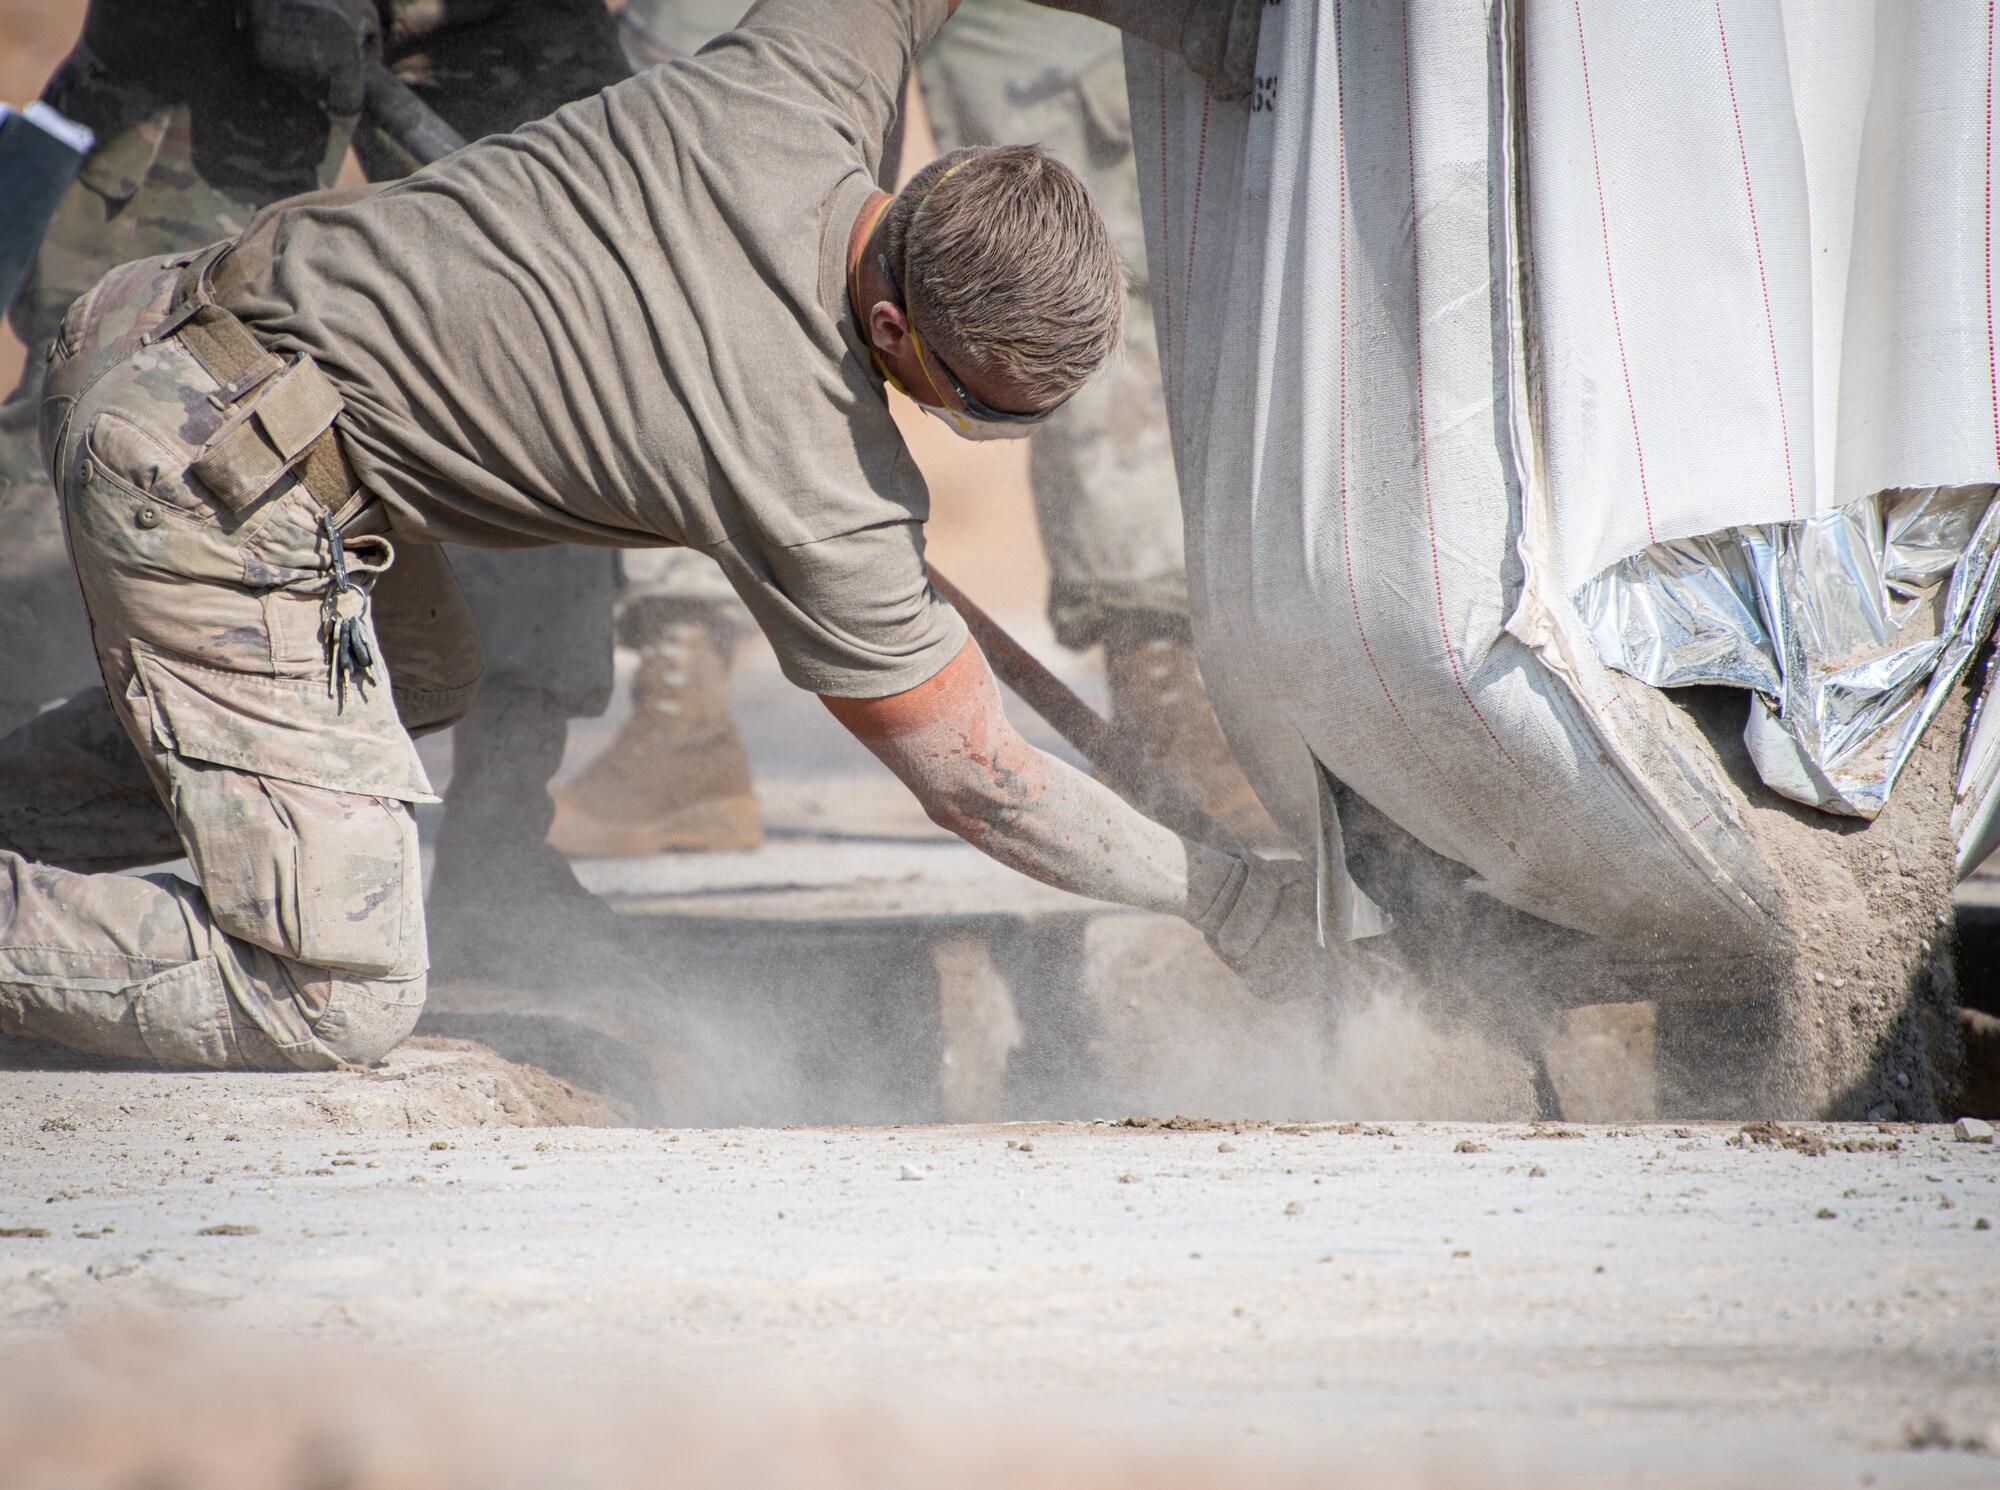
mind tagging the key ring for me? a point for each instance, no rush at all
(348, 653)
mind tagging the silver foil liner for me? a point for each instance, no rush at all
(1848, 629)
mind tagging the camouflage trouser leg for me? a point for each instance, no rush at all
(304, 944)
(1106, 495)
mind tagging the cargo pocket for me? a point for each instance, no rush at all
(119, 163)
(293, 813)
(184, 1016)
(135, 460)
(287, 727)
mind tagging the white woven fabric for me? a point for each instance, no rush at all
(1759, 255)
(1405, 408)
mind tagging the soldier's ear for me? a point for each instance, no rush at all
(888, 328)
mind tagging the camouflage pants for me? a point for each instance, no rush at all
(304, 943)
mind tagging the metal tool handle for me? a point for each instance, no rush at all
(1120, 764)
(395, 109)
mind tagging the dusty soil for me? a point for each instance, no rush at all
(1572, 1304)
(1856, 1017)
(144, 1407)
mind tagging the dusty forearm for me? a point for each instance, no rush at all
(949, 741)
(1054, 824)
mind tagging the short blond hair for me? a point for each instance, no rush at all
(1005, 264)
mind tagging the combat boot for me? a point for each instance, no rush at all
(676, 778)
(1157, 698)
(502, 904)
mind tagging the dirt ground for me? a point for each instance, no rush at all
(1415, 1303)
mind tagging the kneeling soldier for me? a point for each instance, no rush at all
(662, 316)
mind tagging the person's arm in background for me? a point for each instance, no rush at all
(950, 742)
(1218, 38)
(323, 45)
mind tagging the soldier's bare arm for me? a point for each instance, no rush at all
(950, 742)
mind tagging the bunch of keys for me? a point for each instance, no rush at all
(347, 651)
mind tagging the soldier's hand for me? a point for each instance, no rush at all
(1270, 935)
(321, 44)
(1217, 38)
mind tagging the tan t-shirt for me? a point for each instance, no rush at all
(628, 324)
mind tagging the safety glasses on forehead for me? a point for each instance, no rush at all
(984, 412)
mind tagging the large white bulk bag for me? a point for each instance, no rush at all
(1474, 299)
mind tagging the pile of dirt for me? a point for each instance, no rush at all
(435, 1082)
(1856, 1017)
(428, 1082)
(1767, 1134)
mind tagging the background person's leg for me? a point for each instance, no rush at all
(74, 793)
(676, 777)
(500, 896)
(1106, 496)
